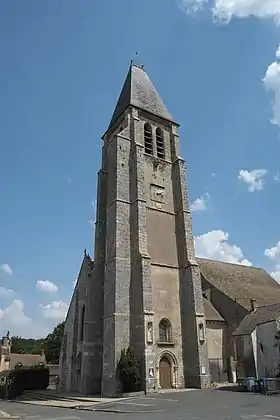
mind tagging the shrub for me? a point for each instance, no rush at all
(25, 378)
(129, 371)
(3, 383)
(35, 377)
(15, 386)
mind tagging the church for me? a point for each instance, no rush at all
(145, 287)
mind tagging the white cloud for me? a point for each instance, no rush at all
(6, 293)
(273, 254)
(214, 245)
(200, 203)
(46, 286)
(92, 223)
(14, 314)
(14, 319)
(6, 269)
(93, 220)
(192, 6)
(278, 53)
(69, 180)
(55, 310)
(277, 176)
(276, 274)
(225, 10)
(271, 81)
(254, 179)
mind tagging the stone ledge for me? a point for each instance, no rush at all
(166, 343)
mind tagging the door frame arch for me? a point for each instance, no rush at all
(173, 365)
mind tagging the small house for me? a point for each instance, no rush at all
(257, 341)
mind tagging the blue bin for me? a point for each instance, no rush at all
(263, 385)
(250, 384)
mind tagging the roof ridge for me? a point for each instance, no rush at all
(265, 305)
(230, 263)
(240, 283)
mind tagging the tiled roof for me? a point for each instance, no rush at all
(260, 315)
(241, 282)
(139, 91)
(26, 359)
(211, 313)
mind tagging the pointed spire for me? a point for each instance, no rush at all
(136, 62)
(139, 91)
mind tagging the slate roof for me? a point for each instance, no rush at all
(211, 313)
(241, 282)
(26, 359)
(260, 315)
(139, 91)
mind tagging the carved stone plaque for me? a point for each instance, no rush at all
(157, 193)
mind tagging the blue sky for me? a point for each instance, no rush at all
(62, 66)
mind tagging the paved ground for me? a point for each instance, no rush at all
(190, 405)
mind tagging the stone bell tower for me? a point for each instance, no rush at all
(5, 352)
(144, 249)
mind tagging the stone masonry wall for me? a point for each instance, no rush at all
(116, 329)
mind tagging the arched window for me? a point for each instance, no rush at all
(82, 325)
(165, 331)
(160, 143)
(148, 139)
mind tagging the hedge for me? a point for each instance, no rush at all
(3, 383)
(14, 382)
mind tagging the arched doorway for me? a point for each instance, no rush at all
(165, 374)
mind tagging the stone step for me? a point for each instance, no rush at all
(41, 396)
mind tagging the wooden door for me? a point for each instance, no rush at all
(165, 379)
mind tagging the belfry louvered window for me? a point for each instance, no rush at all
(148, 139)
(160, 143)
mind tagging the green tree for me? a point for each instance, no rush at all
(52, 344)
(27, 345)
(129, 370)
(18, 345)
